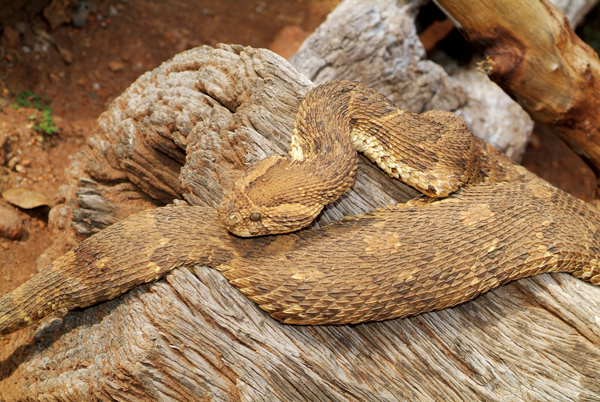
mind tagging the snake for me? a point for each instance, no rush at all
(483, 221)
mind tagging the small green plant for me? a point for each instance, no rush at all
(23, 100)
(29, 99)
(45, 124)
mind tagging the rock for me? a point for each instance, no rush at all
(12, 162)
(116, 66)
(66, 55)
(10, 224)
(83, 12)
(25, 199)
(58, 12)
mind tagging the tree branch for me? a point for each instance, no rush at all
(534, 55)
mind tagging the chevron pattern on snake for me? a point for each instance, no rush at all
(434, 152)
(398, 261)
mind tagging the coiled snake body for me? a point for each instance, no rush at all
(502, 224)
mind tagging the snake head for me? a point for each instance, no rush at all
(267, 199)
(239, 221)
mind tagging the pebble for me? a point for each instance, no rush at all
(10, 224)
(12, 162)
(25, 199)
(83, 12)
(116, 66)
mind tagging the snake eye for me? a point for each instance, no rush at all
(255, 217)
(235, 218)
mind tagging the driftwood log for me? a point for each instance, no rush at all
(194, 336)
(553, 74)
(187, 130)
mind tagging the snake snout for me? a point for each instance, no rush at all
(238, 221)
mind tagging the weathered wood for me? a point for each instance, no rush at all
(192, 337)
(195, 337)
(534, 55)
(489, 111)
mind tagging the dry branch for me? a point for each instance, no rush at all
(535, 56)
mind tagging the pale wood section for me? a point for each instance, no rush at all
(194, 337)
(191, 337)
(535, 56)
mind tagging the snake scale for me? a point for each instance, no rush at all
(498, 223)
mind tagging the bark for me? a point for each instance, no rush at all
(534, 55)
(202, 117)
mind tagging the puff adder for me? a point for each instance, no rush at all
(499, 223)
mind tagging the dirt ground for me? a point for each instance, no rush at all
(82, 69)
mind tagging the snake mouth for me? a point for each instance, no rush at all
(243, 231)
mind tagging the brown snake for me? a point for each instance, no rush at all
(502, 224)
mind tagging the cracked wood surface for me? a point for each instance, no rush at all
(194, 336)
